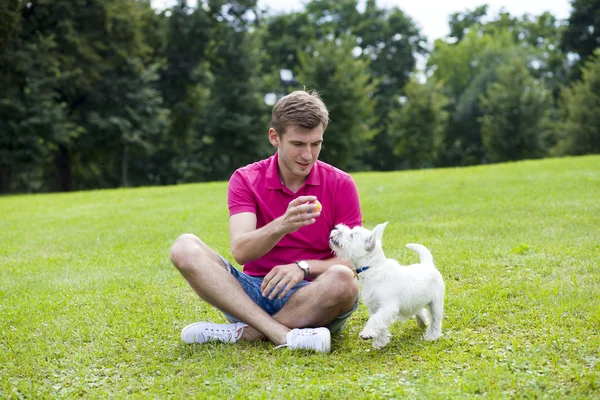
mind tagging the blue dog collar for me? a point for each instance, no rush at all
(363, 269)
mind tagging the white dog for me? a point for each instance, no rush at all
(389, 290)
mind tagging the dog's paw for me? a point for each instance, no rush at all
(380, 341)
(431, 336)
(367, 334)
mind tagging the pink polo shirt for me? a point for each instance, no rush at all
(258, 189)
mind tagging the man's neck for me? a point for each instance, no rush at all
(292, 184)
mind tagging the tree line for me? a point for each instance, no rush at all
(113, 93)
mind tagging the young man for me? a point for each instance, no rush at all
(281, 242)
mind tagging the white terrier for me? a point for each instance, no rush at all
(391, 291)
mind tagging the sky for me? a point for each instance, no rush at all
(430, 15)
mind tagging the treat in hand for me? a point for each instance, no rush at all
(318, 207)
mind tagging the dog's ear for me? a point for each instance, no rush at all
(378, 231)
(376, 235)
(370, 243)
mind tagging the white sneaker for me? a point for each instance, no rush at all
(317, 339)
(202, 332)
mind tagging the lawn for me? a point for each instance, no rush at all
(91, 306)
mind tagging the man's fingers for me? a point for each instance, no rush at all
(307, 222)
(269, 288)
(302, 199)
(285, 291)
(266, 280)
(276, 290)
(304, 208)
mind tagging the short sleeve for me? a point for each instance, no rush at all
(348, 206)
(239, 196)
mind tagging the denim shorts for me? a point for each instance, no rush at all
(251, 285)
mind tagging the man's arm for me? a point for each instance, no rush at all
(318, 267)
(249, 243)
(279, 281)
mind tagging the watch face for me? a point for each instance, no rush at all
(303, 265)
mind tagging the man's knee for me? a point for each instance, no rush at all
(185, 252)
(341, 284)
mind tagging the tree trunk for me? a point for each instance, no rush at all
(124, 166)
(5, 180)
(62, 162)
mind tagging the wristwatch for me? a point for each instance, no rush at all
(303, 265)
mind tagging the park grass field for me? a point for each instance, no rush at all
(91, 307)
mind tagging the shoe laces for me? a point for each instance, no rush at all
(225, 334)
(302, 339)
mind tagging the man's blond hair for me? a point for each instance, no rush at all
(305, 109)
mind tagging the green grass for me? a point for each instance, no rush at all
(91, 307)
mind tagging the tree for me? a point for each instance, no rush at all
(463, 22)
(232, 129)
(580, 108)
(582, 35)
(93, 39)
(417, 126)
(33, 120)
(344, 84)
(513, 107)
(184, 83)
(391, 42)
(125, 131)
(466, 69)
(539, 36)
(387, 39)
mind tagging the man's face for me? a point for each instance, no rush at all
(298, 149)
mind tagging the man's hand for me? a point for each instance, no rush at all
(280, 280)
(297, 214)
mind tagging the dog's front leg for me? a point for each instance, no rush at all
(377, 327)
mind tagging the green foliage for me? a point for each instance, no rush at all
(97, 94)
(470, 65)
(391, 42)
(9, 21)
(417, 127)
(34, 121)
(513, 107)
(126, 134)
(582, 35)
(344, 84)
(386, 39)
(184, 84)
(91, 306)
(463, 22)
(64, 53)
(466, 69)
(232, 130)
(580, 108)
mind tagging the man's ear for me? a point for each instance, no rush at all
(273, 137)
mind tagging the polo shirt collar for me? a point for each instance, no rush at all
(273, 181)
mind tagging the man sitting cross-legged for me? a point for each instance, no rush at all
(281, 240)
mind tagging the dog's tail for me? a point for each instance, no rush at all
(423, 252)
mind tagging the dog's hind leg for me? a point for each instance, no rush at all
(423, 319)
(377, 327)
(437, 312)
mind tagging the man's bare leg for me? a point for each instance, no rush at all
(318, 304)
(206, 274)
